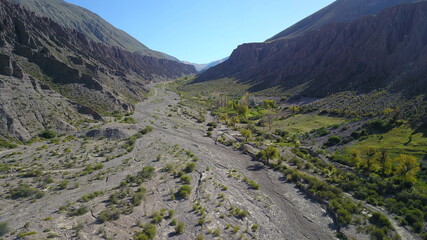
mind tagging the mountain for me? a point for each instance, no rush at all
(387, 50)
(206, 66)
(53, 77)
(338, 11)
(213, 64)
(89, 23)
(197, 66)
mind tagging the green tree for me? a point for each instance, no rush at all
(242, 110)
(384, 162)
(370, 160)
(270, 104)
(269, 153)
(407, 168)
(247, 133)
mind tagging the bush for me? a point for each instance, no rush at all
(149, 232)
(190, 167)
(185, 179)
(146, 130)
(333, 140)
(78, 211)
(414, 216)
(129, 120)
(5, 144)
(179, 229)
(4, 228)
(147, 172)
(380, 220)
(108, 215)
(23, 191)
(378, 234)
(22, 235)
(184, 191)
(47, 134)
(63, 184)
(156, 218)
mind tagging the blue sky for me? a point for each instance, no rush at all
(201, 31)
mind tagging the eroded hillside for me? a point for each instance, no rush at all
(91, 78)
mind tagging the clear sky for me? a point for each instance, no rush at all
(201, 31)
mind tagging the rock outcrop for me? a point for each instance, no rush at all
(384, 51)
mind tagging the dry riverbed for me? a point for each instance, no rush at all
(221, 204)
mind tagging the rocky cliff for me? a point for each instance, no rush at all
(384, 51)
(39, 57)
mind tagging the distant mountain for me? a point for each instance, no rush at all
(53, 77)
(204, 67)
(384, 51)
(89, 23)
(339, 11)
(197, 66)
(213, 64)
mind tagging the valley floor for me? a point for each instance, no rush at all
(221, 204)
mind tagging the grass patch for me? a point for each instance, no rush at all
(400, 140)
(303, 123)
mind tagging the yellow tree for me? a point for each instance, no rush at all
(247, 133)
(370, 160)
(269, 153)
(384, 162)
(407, 168)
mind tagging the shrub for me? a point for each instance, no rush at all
(147, 172)
(179, 229)
(4, 228)
(47, 134)
(23, 191)
(5, 144)
(129, 120)
(254, 228)
(378, 234)
(22, 235)
(184, 191)
(108, 215)
(333, 140)
(149, 232)
(63, 184)
(190, 167)
(185, 179)
(156, 218)
(78, 211)
(380, 220)
(200, 237)
(90, 196)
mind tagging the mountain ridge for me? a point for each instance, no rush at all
(387, 48)
(55, 65)
(338, 11)
(89, 23)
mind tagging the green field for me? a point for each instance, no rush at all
(223, 86)
(400, 140)
(302, 123)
